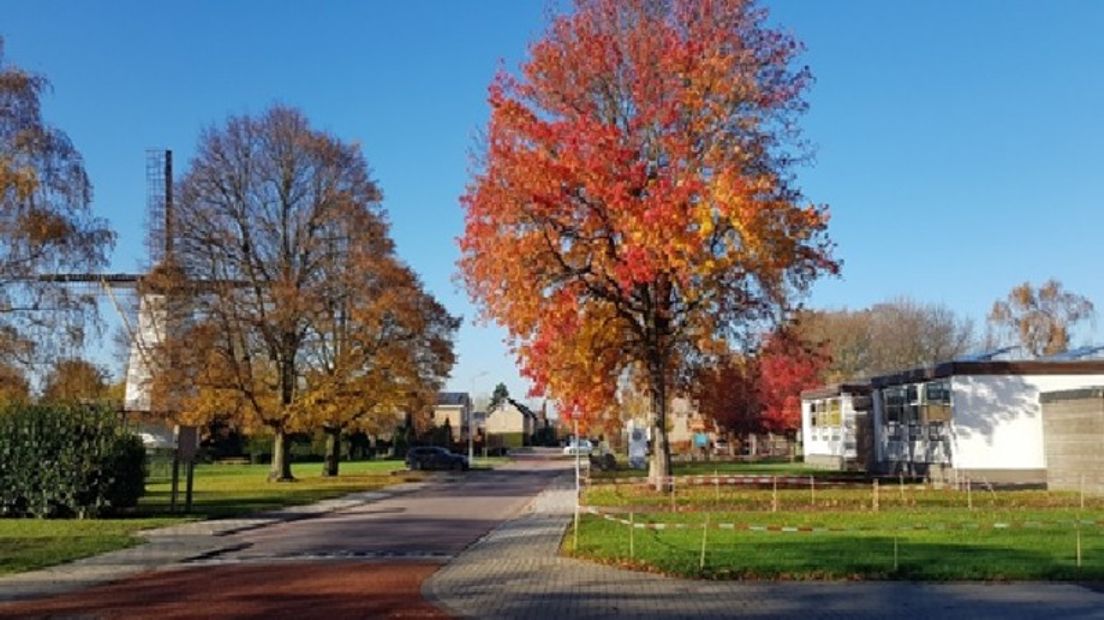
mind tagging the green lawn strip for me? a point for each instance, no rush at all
(233, 490)
(738, 497)
(1040, 541)
(28, 544)
(220, 491)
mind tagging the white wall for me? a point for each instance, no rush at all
(997, 421)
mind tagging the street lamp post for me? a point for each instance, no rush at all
(471, 418)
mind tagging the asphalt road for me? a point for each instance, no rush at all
(368, 561)
(437, 521)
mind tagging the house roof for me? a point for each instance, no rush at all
(1022, 367)
(457, 399)
(835, 389)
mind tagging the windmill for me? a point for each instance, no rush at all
(160, 309)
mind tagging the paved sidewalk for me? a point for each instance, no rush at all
(515, 572)
(167, 547)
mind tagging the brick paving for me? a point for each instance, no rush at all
(515, 572)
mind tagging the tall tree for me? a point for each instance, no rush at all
(635, 201)
(1041, 318)
(887, 337)
(46, 223)
(382, 347)
(75, 380)
(265, 209)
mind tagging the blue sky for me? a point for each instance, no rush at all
(958, 144)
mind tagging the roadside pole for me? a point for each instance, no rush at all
(578, 490)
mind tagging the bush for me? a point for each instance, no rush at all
(64, 461)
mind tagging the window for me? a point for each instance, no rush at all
(937, 402)
(894, 400)
(834, 418)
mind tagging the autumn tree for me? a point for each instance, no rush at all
(890, 336)
(14, 386)
(267, 204)
(635, 203)
(1041, 318)
(75, 380)
(787, 366)
(46, 224)
(728, 394)
(381, 347)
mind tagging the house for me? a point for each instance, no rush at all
(976, 418)
(510, 424)
(836, 429)
(453, 409)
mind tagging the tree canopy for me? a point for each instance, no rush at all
(1041, 318)
(46, 224)
(635, 203)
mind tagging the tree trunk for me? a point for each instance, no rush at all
(333, 451)
(660, 466)
(281, 464)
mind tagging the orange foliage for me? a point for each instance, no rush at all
(634, 203)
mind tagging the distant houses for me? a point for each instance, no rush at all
(980, 418)
(510, 424)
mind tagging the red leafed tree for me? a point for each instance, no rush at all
(786, 367)
(728, 394)
(634, 209)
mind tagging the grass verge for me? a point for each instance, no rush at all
(219, 491)
(1008, 535)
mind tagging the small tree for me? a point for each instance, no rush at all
(499, 396)
(1041, 318)
(75, 380)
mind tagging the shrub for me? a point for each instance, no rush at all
(67, 460)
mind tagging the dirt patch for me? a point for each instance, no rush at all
(285, 590)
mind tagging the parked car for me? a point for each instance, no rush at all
(433, 457)
(583, 447)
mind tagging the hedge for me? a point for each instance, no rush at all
(66, 461)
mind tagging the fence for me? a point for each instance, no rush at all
(886, 522)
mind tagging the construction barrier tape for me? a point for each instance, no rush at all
(748, 527)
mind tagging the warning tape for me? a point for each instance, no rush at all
(781, 481)
(812, 529)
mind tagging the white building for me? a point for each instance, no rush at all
(835, 426)
(977, 419)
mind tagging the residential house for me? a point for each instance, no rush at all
(453, 409)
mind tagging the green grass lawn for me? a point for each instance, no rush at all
(220, 491)
(233, 490)
(27, 544)
(1041, 544)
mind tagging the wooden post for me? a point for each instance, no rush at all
(705, 528)
(874, 494)
(175, 486)
(575, 531)
(901, 486)
(632, 537)
(190, 476)
(1078, 545)
(672, 493)
(717, 486)
(969, 495)
(1082, 491)
(774, 493)
(812, 491)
